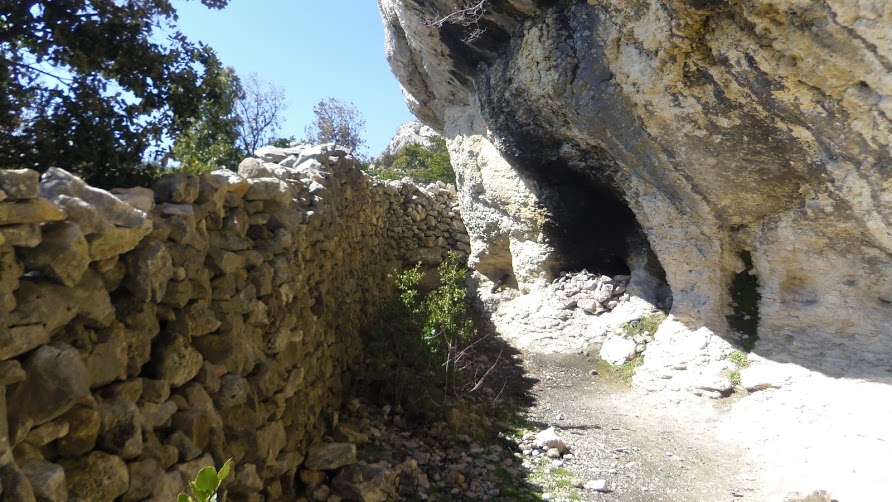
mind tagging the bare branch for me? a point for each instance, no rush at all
(468, 16)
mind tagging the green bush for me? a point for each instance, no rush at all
(421, 164)
(204, 488)
(415, 345)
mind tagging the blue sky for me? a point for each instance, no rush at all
(313, 49)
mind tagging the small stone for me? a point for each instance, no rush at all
(548, 439)
(598, 485)
(617, 350)
(327, 456)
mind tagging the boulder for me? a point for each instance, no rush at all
(174, 361)
(617, 350)
(24, 235)
(56, 183)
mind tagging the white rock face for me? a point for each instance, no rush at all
(408, 133)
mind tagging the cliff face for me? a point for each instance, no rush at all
(741, 148)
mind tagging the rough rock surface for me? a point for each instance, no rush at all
(710, 140)
(146, 334)
(408, 133)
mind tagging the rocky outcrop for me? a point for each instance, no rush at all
(145, 334)
(742, 149)
(702, 130)
(410, 133)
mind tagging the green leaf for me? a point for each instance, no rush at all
(182, 497)
(224, 471)
(207, 480)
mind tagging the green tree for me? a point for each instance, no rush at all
(421, 164)
(337, 122)
(210, 141)
(86, 84)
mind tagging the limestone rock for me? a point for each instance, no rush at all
(19, 184)
(120, 432)
(149, 268)
(29, 211)
(96, 476)
(137, 197)
(177, 188)
(616, 350)
(365, 483)
(327, 456)
(63, 255)
(175, 361)
(47, 480)
(409, 133)
(83, 429)
(57, 379)
(56, 183)
(25, 235)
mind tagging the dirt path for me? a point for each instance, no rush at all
(646, 449)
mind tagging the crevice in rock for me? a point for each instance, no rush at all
(745, 297)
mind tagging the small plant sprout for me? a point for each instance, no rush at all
(204, 488)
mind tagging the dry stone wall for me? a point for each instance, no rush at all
(145, 334)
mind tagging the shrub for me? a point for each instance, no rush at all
(421, 164)
(418, 339)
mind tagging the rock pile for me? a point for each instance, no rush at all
(404, 462)
(593, 293)
(145, 334)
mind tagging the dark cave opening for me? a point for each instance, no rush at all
(591, 227)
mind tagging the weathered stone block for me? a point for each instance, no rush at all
(47, 480)
(57, 379)
(326, 456)
(149, 269)
(25, 235)
(20, 184)
(120, 432)
(83, 429)
(175, 361)
(63, 255)
(96, 476)
(177, 188)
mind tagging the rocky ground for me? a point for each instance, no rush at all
(560, 427)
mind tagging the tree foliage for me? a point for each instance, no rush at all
(337, 122)
(210, 141)
(419, 163)
(93, 85)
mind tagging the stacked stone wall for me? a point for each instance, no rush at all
(145, 334)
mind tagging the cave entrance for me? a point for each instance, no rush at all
(592, 228)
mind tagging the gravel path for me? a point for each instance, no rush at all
(644, 448)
